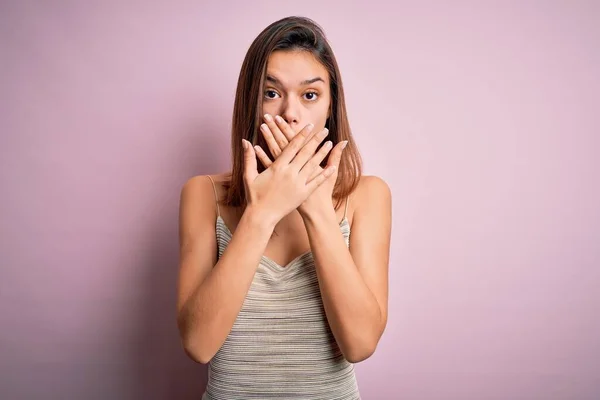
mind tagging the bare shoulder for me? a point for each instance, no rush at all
(200, 186)
(196, 192)
(203, 182)
(368, 183)
(197, 236)
(372, 191)
(197, 207)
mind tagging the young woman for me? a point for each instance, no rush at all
(283, 281)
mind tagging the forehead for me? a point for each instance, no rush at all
(293, 67)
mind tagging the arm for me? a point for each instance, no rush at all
(354, 282)
(209, 295)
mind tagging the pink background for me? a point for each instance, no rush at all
(482, 117)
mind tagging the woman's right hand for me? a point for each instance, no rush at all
(285, 184)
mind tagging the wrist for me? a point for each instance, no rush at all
(261, 220)
(319, 214)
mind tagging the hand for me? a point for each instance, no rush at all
(286, 183)
(278, 135)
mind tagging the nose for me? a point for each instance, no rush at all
(291, 114)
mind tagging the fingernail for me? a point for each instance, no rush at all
(268, 117)
(263, 127)
(278, 118)
(309, 127)
(244, 144)
(345, 144)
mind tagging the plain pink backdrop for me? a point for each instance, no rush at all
(481, 116)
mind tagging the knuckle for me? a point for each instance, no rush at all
(296, 145)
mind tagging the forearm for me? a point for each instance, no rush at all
(210, 312)
(352, 310)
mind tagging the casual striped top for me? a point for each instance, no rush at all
(281, 345)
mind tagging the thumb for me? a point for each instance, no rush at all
(250, 168)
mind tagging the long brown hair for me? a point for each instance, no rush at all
(291, 33)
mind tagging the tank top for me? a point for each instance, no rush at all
(280, 345)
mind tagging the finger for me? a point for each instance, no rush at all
(280, 138)
(284, 127)
(320, 179)
(250, 168)
(309, 149)
(294, 146)
(263, 157)
(287, 130)
(315, 172)
(311, 165)
(336, 154)
(271, 142)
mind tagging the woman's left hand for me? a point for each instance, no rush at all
(278, 134)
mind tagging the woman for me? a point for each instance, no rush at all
(274, 293)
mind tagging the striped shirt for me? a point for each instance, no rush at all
(281, 345)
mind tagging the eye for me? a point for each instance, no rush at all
(270, 94)
(313, 95)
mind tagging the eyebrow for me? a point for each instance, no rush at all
(274, 80)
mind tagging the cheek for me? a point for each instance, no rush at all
(267, 108)
(320, 114)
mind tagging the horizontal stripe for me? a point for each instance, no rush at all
(281, 345)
